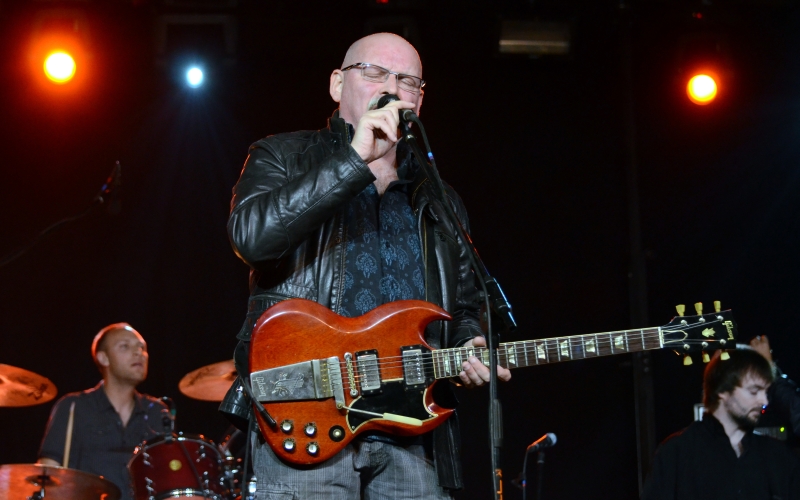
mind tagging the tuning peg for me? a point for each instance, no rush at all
(724, 356)
(699, 308)
(687, 360)
(681, 309)
(717, 306)
(706, 357)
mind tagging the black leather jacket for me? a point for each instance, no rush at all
(287, 223)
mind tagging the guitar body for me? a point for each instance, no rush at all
(376, 380)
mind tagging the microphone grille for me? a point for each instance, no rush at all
(386, 99)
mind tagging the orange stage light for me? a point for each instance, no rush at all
(701, 89)
(59, 67)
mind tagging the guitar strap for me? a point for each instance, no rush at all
(237, 405)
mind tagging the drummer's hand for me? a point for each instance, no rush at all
(474, 373)
(49, 462)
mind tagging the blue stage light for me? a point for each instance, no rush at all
(194, 77)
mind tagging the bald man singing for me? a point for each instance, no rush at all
(344, 216)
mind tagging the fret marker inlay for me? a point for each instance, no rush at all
(564, 346)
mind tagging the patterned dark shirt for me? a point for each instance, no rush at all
(100, 445)
(384, 256)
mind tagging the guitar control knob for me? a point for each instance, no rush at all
(287, 426)
(310, 429)
(312, 448)
(289, 445)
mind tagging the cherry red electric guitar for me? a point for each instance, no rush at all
(325, 378)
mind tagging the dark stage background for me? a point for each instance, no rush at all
(536, 147)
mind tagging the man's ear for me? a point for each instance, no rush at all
(337, 82)
(102, 359)
(419, 101)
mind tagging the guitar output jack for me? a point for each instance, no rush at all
(336, 433)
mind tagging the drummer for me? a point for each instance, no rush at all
(109, 420)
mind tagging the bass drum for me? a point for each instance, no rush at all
(178, 466)
(233, 447)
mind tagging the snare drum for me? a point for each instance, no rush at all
(177, 466)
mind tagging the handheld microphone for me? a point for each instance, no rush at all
(543, 442)
(406, 115)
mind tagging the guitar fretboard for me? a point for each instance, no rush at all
(447, 362)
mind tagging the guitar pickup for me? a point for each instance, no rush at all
(414, 373)
(308, 380)
(369, 372)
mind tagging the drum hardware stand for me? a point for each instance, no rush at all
(496, 304)
(245, 485)
(43, 479)
(39, 495)
(168, 419)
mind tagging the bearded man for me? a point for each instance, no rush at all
(719, 457)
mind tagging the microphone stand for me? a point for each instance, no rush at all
(497, 306)
(107, 189)
(539, 474)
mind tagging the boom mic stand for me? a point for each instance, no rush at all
(497, 306)
(108, 190)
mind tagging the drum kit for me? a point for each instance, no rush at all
(169, 466)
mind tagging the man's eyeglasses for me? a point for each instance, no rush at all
(377, 74)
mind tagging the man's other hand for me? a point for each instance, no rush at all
(474, 373)
(760, 344)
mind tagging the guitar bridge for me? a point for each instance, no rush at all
(308, 380)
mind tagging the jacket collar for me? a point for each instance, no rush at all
(340, 127)
(103, 403)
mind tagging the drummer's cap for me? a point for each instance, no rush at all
(99, 340)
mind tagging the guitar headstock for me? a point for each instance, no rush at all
(701, 332)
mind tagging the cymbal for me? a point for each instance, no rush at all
(209, 383)
(21, 481)
(20, 387)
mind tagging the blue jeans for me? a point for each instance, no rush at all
(368, 470)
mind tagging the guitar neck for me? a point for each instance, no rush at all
(447, 362)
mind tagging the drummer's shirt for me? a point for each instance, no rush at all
(100, 444)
